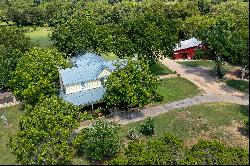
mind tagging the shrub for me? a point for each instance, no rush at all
(215, 153)
(99, 141)
(86, 116)
(153, 152)
(149, 127)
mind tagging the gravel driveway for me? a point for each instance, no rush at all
(200, 77)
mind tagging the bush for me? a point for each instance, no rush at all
(149, 127)
(100, 141)
(86, 116)
(215, 153)
(153, 152)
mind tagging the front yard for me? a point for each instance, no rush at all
(178, 88)
(220, 121)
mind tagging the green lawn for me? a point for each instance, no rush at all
(178, 88)
(159, 69)
(40, 36)
(208, 121)
(109, 56)
(240, 85)
(12, 114)
(209, 64)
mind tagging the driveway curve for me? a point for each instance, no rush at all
(200, 77)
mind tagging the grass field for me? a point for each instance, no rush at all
(219, 121)
(40, 36)
(209, 64)
(159, 69)
(178, 88)
(240, 85)
(12, 114)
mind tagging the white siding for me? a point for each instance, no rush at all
(105, 72)
(92, 84)
(73, 88)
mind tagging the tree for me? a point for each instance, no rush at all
(37, 75)
(45, 133)
(100, 141)
(167, 150)
(146, 36)
(23, 12)
(8, 60)
(130, 86)
(215, 153)
(219, 40)
(81, 34)
(13, 37)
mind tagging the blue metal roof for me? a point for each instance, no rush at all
(88, 67)
(86, 97)
(84, 59)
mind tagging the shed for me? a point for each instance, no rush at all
(186, 49)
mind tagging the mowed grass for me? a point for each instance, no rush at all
(159, 69)
(178, 88)
(109, 56)
(203, 63)
(240, 85)
(12, 114)
(40, 36)
(220, 121)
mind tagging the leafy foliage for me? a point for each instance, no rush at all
(100, 141)
(165, 151)
(215, 153)
(36, 74)
(146, 36)
(8, 60)
(80, 34)
(13, 37)
(45, 131)
(130, 86)
(149, 127)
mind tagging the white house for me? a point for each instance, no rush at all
(83, 84)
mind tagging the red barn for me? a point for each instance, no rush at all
(186, 49)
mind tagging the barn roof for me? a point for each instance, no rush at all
(84, 97)
(193, 42)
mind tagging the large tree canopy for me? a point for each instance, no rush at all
(45, 132)
(130, 86)
(15, 38)
(37, 75)
(8, 60)
(146, 36)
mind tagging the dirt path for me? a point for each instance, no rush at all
(199, 76)
(130, 117)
